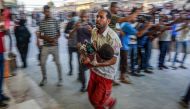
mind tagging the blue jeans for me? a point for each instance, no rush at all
(1, 73)
(141, 57)
(145, 54)
(163, 46)
(148, 50)
(133, 56)
(184, 47)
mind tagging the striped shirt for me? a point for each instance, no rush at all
(49, 28)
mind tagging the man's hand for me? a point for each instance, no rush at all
(95, 45)
(94, 62)
(141, 8)
(85, 60)
(148, 25)
(53, 42)
(50, 40)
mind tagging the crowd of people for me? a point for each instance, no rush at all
(114, 37)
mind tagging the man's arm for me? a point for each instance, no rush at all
(183, 27)
(112, 61)
(144, 30)
(46, 38)
(76, 26)
(130, 17)
(164, 28)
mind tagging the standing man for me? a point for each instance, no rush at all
(164, 41)
(114, 20)
(102, 73)
(130, 30)
(114, 8)
(2, 33)
(83, 32)
(50, 33)
(72, 39)
(183, 40)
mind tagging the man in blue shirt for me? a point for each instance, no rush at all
(124, 52)
(131, 35)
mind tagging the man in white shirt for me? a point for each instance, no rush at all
(102, 73)
(182, 39)
(164, 41)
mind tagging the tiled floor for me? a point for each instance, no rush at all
(25, 92)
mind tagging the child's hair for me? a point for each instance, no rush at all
(106, 52)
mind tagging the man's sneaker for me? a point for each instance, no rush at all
(148, 71)
(183, 67)
(59, 83)
(183, 104)
(3, 105)
(165, 67)
(43, 82)
(137, 74)
(5, 98)
(160, 68)
(174, 67)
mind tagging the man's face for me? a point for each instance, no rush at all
(47, 13)
(84, 17)
(115, 9)
(101, 20)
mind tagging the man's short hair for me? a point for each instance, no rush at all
(83, 12)
(108, 14)
(46, 7)
(73, 14)
(113, 4)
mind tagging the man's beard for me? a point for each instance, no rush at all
(99, 26)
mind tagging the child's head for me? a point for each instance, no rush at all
(106, 52)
